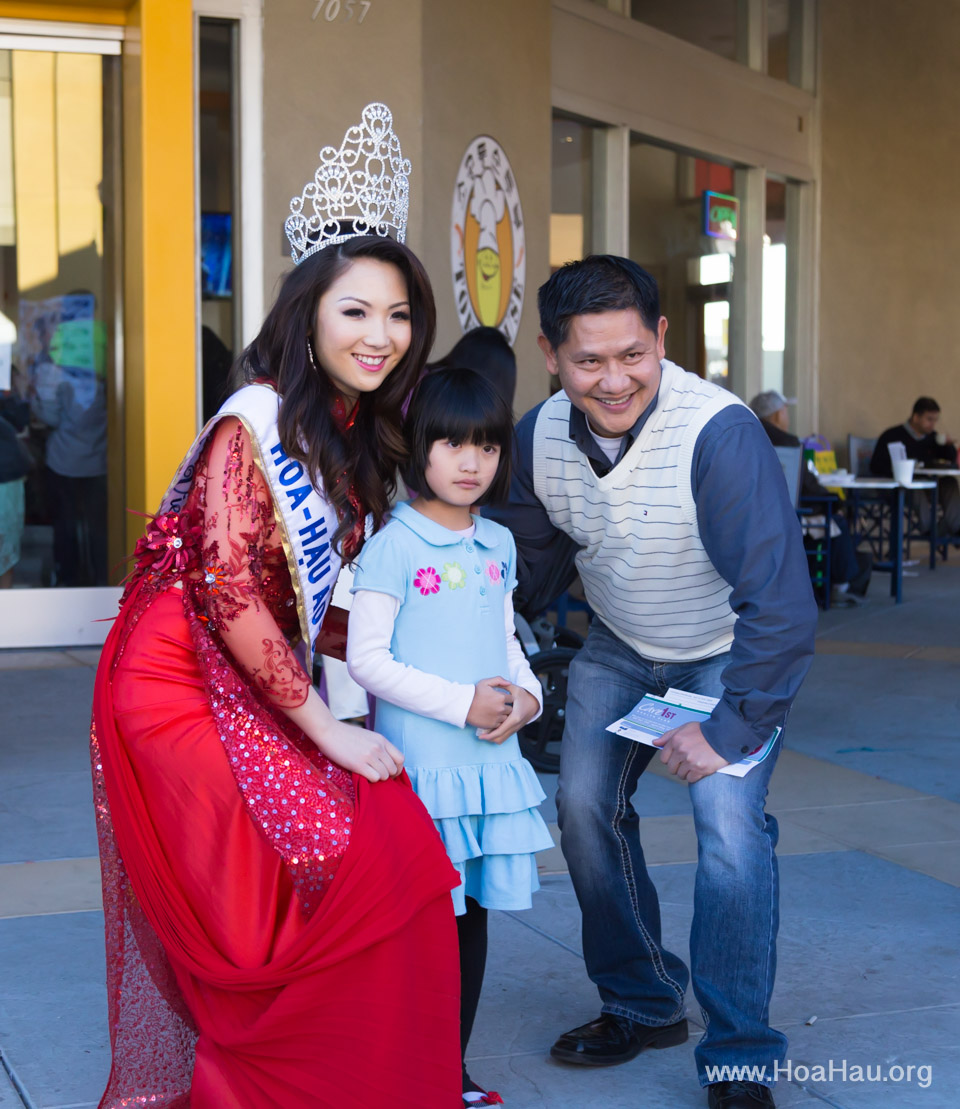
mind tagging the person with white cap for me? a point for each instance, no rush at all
(771, 407)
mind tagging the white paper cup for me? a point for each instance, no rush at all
(903, 470)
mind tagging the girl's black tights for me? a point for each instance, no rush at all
(472, 933)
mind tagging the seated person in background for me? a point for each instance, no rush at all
(919, 437)
(849, 568)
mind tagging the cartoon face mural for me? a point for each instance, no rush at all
(487, 249)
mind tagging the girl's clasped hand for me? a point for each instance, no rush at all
(500, 708)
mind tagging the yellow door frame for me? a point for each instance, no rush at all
(159, 402)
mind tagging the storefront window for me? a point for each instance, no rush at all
(573, 189)
(774, 305)
(219, 233)
(62, 465)
(709, 24)
(769, 40)
(684, 223)
(778, 39)
(790, 39)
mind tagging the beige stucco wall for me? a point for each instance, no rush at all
(890, 232)
(317, 78)
(449, 71)
(487, 71)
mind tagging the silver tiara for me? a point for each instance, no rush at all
(361, 189)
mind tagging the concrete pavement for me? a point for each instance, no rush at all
(868, 799)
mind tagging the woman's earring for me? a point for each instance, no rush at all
(313, 361)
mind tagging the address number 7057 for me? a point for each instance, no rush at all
(334, 9)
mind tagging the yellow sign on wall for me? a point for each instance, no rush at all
(488, 251)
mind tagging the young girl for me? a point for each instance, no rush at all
(432, 637)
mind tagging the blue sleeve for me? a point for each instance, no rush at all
(545, 555)
(382, 565)
(750, 530)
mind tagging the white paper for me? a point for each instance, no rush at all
(699, 703)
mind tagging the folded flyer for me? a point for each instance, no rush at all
(651, 716)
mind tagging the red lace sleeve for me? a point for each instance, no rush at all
(239, 530)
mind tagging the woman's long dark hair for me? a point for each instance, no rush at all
(367, 457)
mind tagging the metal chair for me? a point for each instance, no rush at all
(859, 453)
(549, 650)
(791, 462)
(818, 549)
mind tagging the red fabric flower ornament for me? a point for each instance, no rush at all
(170, 543)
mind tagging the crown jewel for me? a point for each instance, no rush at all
(361, 189)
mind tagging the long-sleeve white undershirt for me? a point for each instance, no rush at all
(371, 663)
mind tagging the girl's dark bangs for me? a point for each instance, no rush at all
(468, 419)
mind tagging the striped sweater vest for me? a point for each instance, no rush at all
(643, 566)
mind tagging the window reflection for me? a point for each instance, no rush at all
(710, 24)
(774, 304)
(56, 348)
(219, 238)
(572, 189)
(695, 270)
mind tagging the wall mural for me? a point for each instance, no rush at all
(487, 248)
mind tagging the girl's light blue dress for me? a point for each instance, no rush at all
(482, 796)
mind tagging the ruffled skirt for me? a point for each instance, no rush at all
(487, 817)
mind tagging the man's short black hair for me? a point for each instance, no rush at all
(924, 404)
(459, 404)
(597, 283)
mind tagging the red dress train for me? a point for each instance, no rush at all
(279, 932)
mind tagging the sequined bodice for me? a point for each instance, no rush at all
(223, 549)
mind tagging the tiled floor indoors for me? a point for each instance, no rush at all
(868, 799)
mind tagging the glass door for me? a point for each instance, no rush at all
(61, 463)
(684, 229)
(219, 194)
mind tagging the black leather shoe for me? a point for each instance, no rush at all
(739, 1095)
(610, 1040)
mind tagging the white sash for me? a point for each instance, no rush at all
(307, 520)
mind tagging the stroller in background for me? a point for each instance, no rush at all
(550, 648)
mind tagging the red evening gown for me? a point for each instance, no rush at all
(279, 932)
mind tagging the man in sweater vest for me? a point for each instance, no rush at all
(667, 495)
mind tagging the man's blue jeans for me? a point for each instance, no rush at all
(736, 911)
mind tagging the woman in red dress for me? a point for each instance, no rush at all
(278, 920)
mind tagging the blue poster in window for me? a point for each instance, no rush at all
(216, 254)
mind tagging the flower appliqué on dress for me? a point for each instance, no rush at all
(215, 575)
(494, 573)
(427, 581)
(169, 542)
(453, 574)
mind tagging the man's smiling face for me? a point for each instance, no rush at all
(609, 367)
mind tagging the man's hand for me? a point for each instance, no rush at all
(687, 754)
(525, 708)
